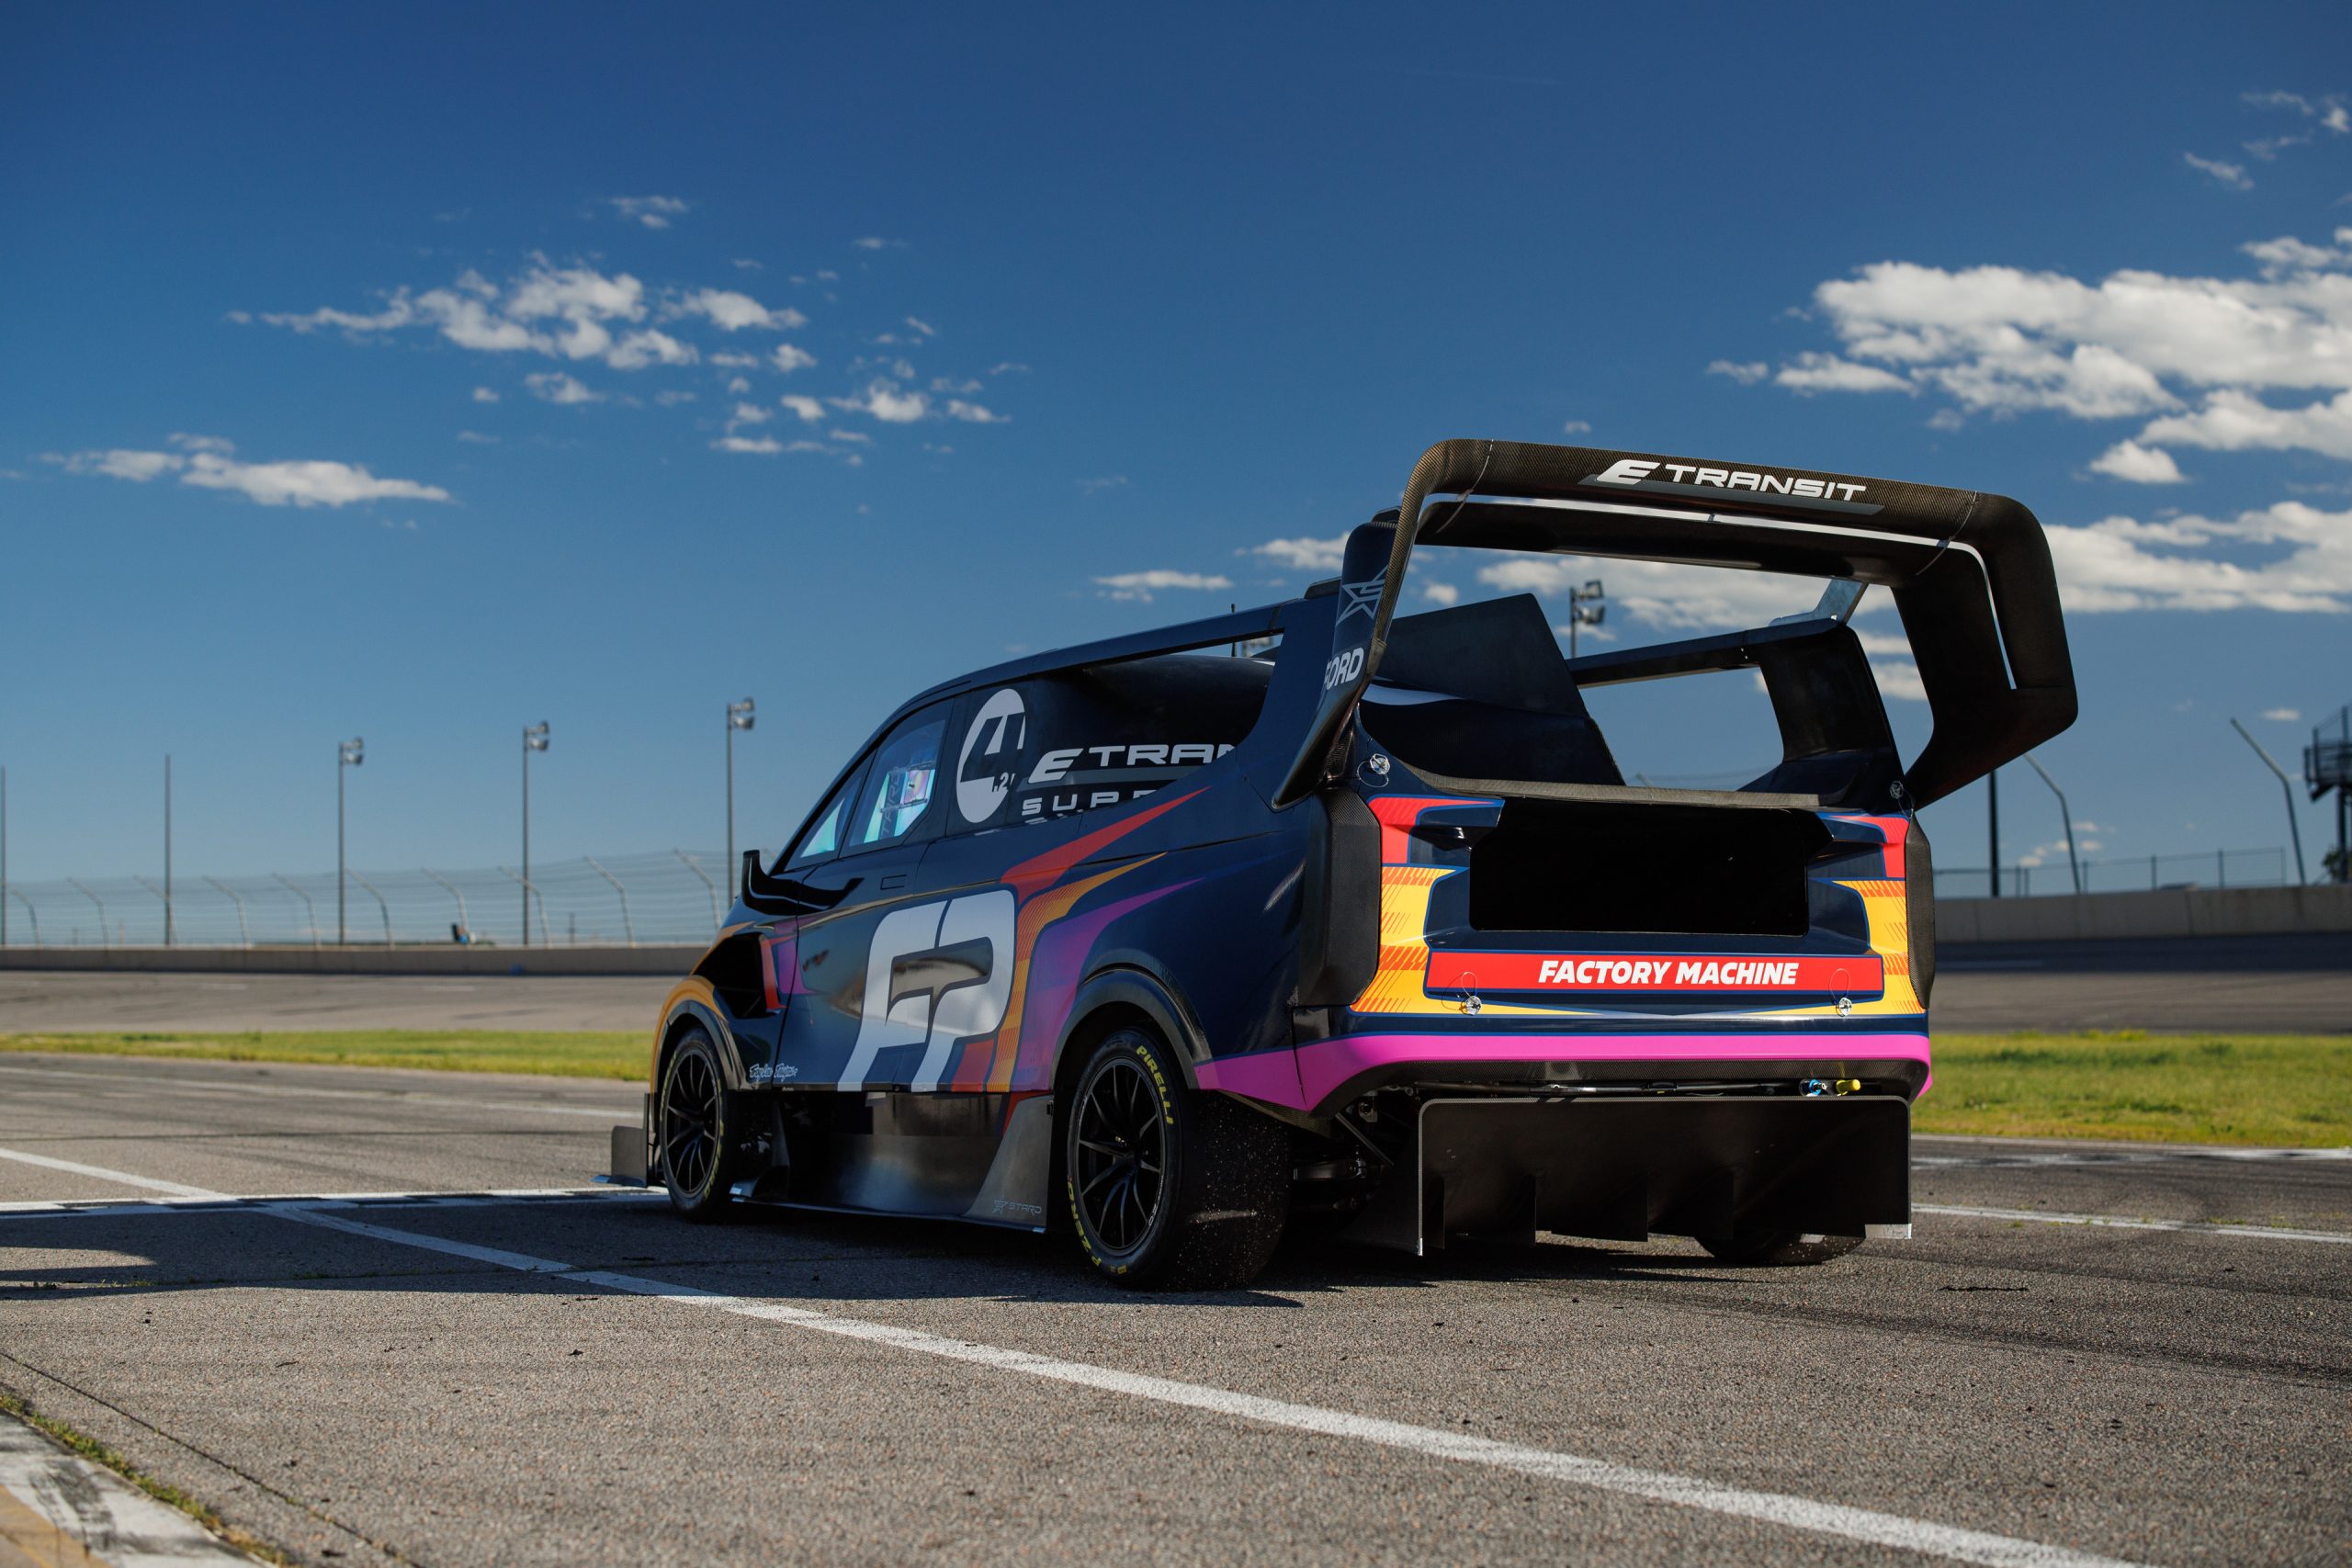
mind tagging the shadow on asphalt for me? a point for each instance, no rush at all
(792, 1254)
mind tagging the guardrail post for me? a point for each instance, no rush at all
(312, 908)
(104, 939)
(381, 907)
(628, 931)
(531, 891)
(717, 918)
(244, 937)
(464, 922)
(166, 897)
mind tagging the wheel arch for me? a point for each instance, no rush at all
(685, 1013)
(1119, 994)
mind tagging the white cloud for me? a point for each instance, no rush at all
(653, 211)
(876, 243)
(737, 385)
(205, 461)
(733, 361)
(732, 311)
(1666, 594)
(974, 414)
(1142, 585)
(1438, 592)
(747, 265)
(2233, 420)
(2003, 341)
(2231, 174)
(1577, 427)
(476, 438)
(1827, 373)
(1746, 372)
(1891, 663)
(926, 328)
(1303, 554)
(563, 312)
(789, 356)
(2130, 461)
(640, 349)
(558, 388)
(485, 395)
(760, 446)
(2283, 716)
(119, 464)
(750, 413)
(887, 403)
(810, 409)
(1096, 487)
(2297, 557)
(858, 436)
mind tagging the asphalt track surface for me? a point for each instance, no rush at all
(2288, 984)
(581, 1378)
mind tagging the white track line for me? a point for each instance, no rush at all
(103, 1208)
(401, 1096)
(1863, 1525)
(176, 1189)
(2117, 1222)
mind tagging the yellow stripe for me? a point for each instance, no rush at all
(26, 1538)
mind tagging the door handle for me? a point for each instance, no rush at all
(897, 881)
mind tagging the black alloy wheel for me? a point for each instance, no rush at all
(1168, 1185)
(692, 1118)
(1120, 1151)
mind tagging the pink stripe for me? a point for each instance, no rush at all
(1323, 1065)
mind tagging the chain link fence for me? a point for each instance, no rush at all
(2139, 873)
(680, 895)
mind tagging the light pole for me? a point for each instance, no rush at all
(347, 755)
(2294, 828)
(739, 717)
(1993, 826)
(168, 848)
(1585, 609)
(2074, 865)
(4, 857)
(534, 738)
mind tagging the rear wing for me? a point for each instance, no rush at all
(1970, 574)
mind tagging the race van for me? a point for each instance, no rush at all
(1323, 910)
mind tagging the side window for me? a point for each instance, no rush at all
(899, 784)
(824, 839)
(1109, 735)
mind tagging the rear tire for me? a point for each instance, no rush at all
(698, 1158)
(1168, 1186)
(1781, 1249)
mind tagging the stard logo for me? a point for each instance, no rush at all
(1359, 599)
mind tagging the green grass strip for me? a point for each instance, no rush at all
(2283, 1090)
(582, 1053)
(2270, 1091)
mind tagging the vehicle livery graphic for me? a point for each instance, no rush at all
(1324, 912)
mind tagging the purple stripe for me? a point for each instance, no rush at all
(1303, 1078)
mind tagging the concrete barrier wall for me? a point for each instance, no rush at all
(451, 960)
(2164, 912)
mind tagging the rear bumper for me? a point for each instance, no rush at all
(1323, 1075)
(1714, 1167)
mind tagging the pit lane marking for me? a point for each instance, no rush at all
(2118, 1222)
(225, 1203)
(1864, 1525)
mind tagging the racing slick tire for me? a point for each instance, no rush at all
(1168, 1186)
(1781, 1249)
(698, 1160)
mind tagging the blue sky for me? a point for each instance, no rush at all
(421, 372)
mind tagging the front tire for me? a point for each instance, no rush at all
(1781, 1249)
(697, 1150)
(1168, 1186)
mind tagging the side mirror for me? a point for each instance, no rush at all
(743, 881)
